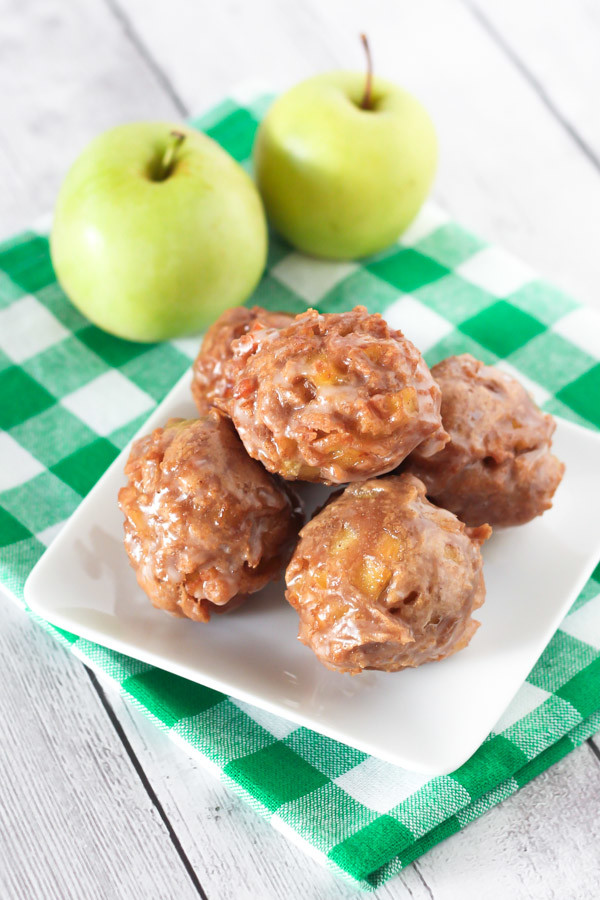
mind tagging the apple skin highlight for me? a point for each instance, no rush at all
(339, 181)
(149, 258)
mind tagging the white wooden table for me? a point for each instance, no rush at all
(94, 801)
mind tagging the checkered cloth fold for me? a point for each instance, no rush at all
(71, 396)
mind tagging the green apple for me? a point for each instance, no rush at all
(157, 230)
(341, 177)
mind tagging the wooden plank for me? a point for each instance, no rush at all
(508, 168)
(238, 855)
(557, 46)
(542, 843)
(67, 72)
(74, 818)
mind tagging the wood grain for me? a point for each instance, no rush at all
(67, 72)
(74, 819)
(557, 46)
(541, 844)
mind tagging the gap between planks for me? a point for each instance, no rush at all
(132, 35)
(534, 82)
(139, 769)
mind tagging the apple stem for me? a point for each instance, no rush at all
(176, 138)
(366, 100)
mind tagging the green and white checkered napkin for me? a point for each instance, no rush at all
(71, 396)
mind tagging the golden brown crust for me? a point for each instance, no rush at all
(383, 579)
(205, 525)
(210, 370)
(497, 466)
(332, 398)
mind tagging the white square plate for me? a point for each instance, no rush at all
(429, 719)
